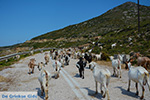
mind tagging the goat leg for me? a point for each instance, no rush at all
(46, 94)
(83, 74)
(80, 71)
(104, 95)
(29, 71)
(101, 89)
(142, 92)
(129, 85)
(96, 87)
(120, 72)
(42, 90)
(113, 71)
(137, 92)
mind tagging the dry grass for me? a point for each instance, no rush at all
(105, 63)
(3, 79)
(1, 68)
(7, 81)
(109, 64)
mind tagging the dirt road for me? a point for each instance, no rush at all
(69, 86)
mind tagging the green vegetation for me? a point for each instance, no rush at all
(10, 61)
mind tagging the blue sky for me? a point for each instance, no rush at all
(21, 20)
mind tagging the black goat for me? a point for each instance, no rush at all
(80, 65)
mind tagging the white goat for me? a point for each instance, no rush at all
(98, 56)
(62, 61)
(102, 76)
(111, 57)
(46, 58)
(116, 64)
(138, 75)
(113, 45)
(32, 52)
(57, 67)
(17, 57)
(90, 50)
(44, 78)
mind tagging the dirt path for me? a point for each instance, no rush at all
(69, 86)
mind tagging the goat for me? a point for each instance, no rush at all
(142, 61)
(31, 52)
(102, 76)
(78, 54)
(138, 75)
(80, 65)
(116, 64)
(98, 56)
(31, 65)
(75, 55)
(17, 57)
(111, 57)
(67, 59)
(113, 45)
(46, 58)
(44, 78)
(88, 57)
(62, 61)
(126, 58)
(120, 57)
(90, 50)
(57, 67)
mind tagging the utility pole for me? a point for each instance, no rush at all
(138, 18)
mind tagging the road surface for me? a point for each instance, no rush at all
(69, 86)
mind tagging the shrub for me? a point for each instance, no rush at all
(96, 50)
(105, 56)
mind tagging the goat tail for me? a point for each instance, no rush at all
(107, 79)
(147, 79)
(46, 76)
(107, 76)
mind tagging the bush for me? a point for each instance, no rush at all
(96, 50)
(105, 56)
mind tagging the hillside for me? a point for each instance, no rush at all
(114, 26)
(118, 18)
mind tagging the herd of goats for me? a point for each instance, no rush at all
(61, 58)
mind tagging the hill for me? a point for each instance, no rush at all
(118, 18)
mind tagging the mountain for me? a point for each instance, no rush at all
(118, 25)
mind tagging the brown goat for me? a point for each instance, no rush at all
(143, 61)
(46, 58)
(31, 65)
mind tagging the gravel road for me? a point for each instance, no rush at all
(69, 86)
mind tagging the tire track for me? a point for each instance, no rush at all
(80, 93)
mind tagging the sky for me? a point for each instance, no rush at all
(22, 20)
